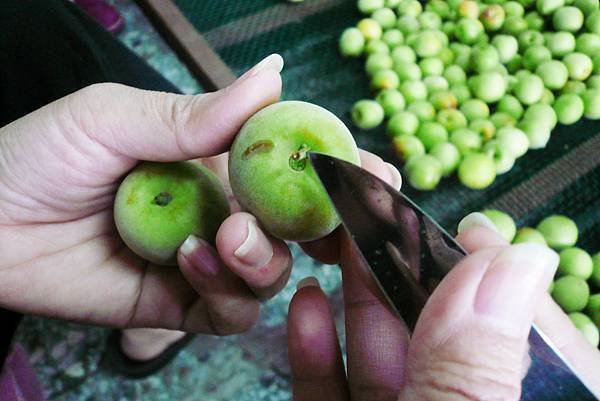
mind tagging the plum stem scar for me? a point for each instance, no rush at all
(298, 158)
(163, 199)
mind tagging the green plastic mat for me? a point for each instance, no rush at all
(562, 178)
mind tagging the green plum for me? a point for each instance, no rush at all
(492, 17)
(576, 262)
(451, 119)
(571, 293)
(270, 173)
(431, 133)
(367, 114)
(528, 234)
(595, 279)
(559, 231)
(504, 160)
(158, 205)
(448, 155)
(476, 171)
(402, 123)
(587, 327)
(489, 86)
(485, 128)
(424, 172)
(503, 222)
(407, 146)
(537, 131)
(352, 42)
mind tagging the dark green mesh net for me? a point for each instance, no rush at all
(562, 178)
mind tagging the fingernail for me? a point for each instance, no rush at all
(513, 281)
(308, 282)
(200, 255)
(271, 62)
(256, 250)
(476, 219)
(396, 177)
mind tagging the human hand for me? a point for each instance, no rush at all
(469, 343)
(60, 167)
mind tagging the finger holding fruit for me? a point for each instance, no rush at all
(64, 229)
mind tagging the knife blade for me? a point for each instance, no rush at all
(408, 254)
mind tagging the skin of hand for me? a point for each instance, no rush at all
(60, 167)
(470, 342)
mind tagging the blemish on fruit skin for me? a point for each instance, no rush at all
(131, 198)
(257, 147)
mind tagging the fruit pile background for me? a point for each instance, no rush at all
(470, 86)
(576, 286)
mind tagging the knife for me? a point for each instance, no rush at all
(408, 254)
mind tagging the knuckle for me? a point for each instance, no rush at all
(234, 317)
(462, 368)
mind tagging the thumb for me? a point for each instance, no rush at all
(112, 125)
(166, 127)
(471, 339)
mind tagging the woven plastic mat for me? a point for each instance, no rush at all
(562, 178)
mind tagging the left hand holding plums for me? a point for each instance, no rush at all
(59, 169)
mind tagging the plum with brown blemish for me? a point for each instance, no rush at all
(271, 175)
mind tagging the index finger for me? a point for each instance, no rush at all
(583, 356)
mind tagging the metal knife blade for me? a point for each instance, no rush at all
(408, 254)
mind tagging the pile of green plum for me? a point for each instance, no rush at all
(470, 86)
(576, 287)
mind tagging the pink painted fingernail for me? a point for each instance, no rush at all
(256, 250)
(201, 255)
(514, 279)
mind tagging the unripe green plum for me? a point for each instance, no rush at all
(485, 128)
(587, 327)
(270, 173)
(352, 42)
(503, 158)
(489, 86)
(424, 172)
(595, 279)
(528, 234)
(575, 262)
(571, 293)
(476, 171)
(402, 123)
(369, 28)
(465, 140)
(407, 146)
(537, 131)
(448, 155)
(559, 231)
(492, 17)
(158, 205)
(503, 222)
